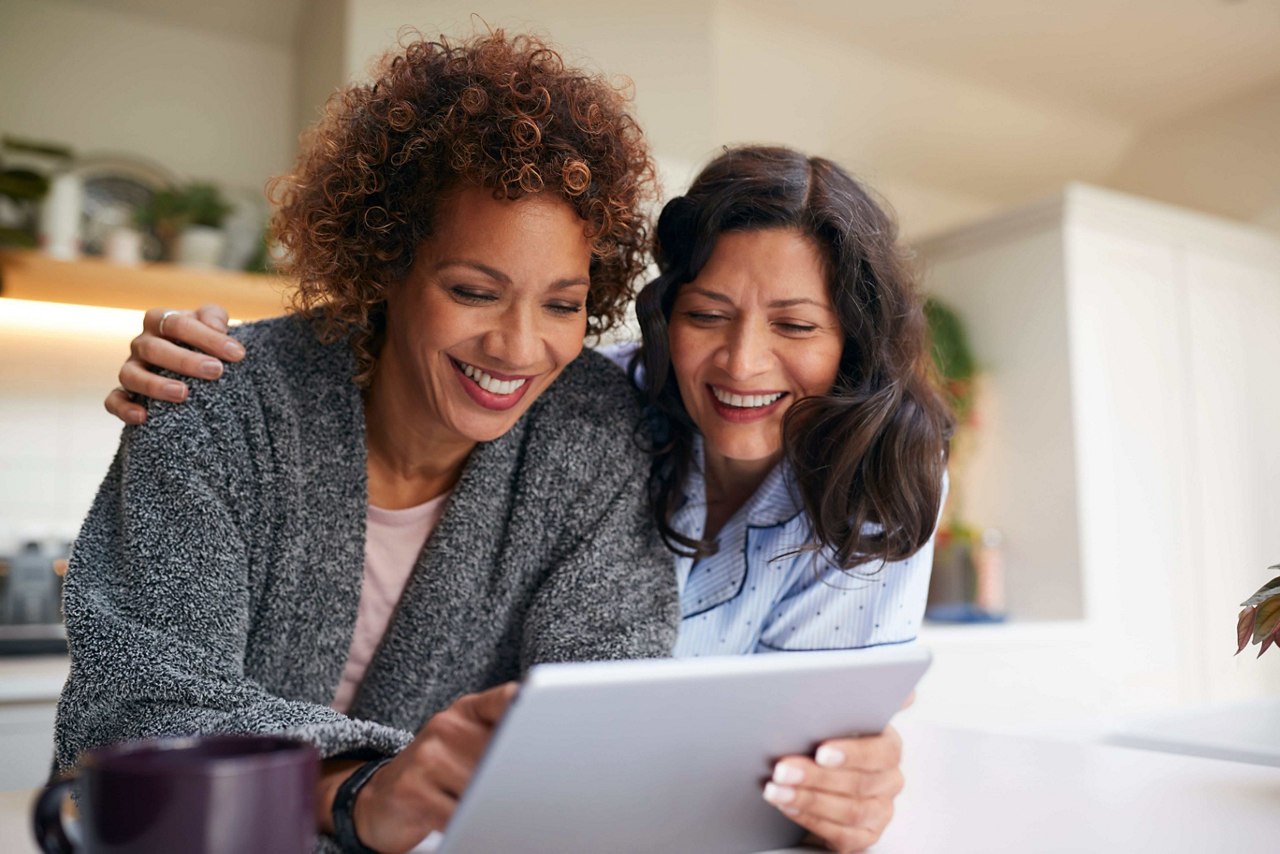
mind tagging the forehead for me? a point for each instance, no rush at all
(541, 229)
(771, 264)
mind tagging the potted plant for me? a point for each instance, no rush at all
(966, 584)
(1260, 620)
(25, 168)
(188, 223)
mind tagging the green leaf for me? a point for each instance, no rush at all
(1265, 592)
(29, 146)
(951, 352)
(1267, 620)
(23, 184)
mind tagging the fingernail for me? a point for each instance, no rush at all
(786, 774)
(211, 369)
(829, 757)
(776, 794)
(791, 812)
(177, 391)
(134, 418)
(234, 349)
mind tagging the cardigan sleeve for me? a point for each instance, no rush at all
(158, 603)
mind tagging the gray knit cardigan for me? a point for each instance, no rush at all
(214, 585)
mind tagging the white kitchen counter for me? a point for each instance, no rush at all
(32, 679)
(973, 793)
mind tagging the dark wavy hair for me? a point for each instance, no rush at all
(868, 457)
(501, 113)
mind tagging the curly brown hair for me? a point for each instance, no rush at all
(501, 113)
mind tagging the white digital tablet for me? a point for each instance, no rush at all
(667, 755)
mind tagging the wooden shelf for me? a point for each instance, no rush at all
(30, 275)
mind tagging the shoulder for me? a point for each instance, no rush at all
(287, 373)
(591, 392)
(288, 350)
(589, 417)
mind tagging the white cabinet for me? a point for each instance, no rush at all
(26, 743)
(29, 688)
(1129, 451)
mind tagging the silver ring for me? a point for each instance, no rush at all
(168, 314)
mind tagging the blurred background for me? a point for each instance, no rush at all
(1092, 192)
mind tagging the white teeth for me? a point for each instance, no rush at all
(488, 383)
(745, 401)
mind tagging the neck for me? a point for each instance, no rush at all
(411, 457)
(730, 483)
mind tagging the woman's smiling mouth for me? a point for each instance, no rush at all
(492, 391)
(739, 407)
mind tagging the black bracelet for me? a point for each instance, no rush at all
(344, 806)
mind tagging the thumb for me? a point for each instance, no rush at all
(488, 707)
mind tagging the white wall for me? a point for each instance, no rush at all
(204, 105)
(56, 365)
(662, 46)
(320, 52)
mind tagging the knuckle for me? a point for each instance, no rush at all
(852, 839)
(144, 348)
(861, 786)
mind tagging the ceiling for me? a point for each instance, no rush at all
(1135, 61)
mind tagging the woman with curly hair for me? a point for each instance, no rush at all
(419, 485)
(798, 439)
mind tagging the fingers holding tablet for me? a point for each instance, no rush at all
(417, 792)
(844, 795)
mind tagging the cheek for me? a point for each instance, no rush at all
(685, 355)
(817, 369)
(566, 341)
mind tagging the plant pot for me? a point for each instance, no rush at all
(200, 246)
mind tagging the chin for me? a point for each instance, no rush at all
(743, 452)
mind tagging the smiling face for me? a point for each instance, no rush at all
(491, 312)
(751, 335)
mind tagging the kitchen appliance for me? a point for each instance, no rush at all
(31, 599)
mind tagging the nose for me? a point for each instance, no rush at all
(513, 340)
(746, 350)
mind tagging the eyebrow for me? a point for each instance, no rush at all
(502, 277)
(778, 303)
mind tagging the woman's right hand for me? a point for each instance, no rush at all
(204, 329)
(417, 792)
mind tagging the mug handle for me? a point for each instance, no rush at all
(46, 818)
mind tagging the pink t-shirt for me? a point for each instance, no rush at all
(393, 542)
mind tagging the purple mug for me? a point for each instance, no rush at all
(204, 795)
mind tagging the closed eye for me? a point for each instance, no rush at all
(704, 318)
(470, 296)
(565, 309)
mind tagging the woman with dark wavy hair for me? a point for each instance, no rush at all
(786, 362)
(418, 486)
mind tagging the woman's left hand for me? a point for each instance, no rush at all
(844, 794)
